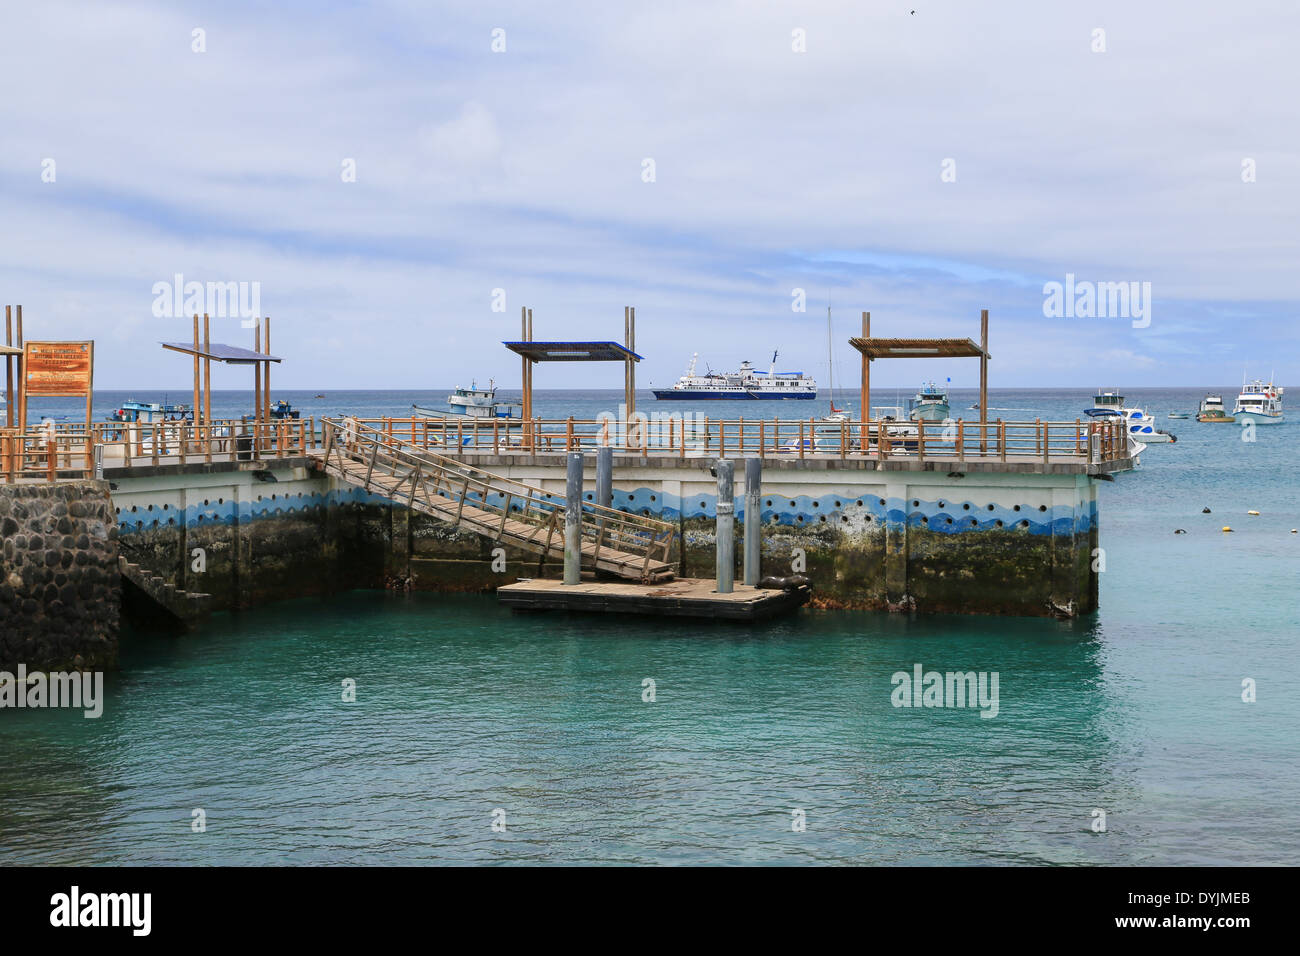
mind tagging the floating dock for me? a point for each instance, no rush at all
(686, 597)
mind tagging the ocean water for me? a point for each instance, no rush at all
(463, 710)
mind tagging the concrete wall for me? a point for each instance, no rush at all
(59, 581)
(980, 542)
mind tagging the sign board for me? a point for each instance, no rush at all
(57, 370)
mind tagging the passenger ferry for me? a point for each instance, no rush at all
(1211, 410)
(1141, 426)
(1259, 404)
(742, 385)
(474, 402)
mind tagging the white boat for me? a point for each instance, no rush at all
(1259, 404)
(740, 385)
(473, 402)
(930, 405)
(1141, 426)
(1211, 410)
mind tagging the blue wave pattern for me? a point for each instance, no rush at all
(943, 515)
(218, 510)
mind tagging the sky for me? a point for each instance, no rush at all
(700, 161)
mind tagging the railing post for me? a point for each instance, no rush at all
(920, 439)
(960, 449)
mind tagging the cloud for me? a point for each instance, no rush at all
(775, 170)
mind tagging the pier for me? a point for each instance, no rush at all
(626, 511)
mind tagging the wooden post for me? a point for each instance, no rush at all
(266, 376)
(194, 409)
(984, 373)
(864, 399)
(257, 380)
(631, 363)
(9, 368)
(207, 369)
(22, 380)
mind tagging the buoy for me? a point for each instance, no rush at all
(1252, 512)
(1205, 511)
(1226, 528)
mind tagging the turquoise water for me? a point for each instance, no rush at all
(462, 709)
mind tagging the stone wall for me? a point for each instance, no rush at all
(60, 589)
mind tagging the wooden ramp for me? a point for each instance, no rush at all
(501, 509)
(687, 597)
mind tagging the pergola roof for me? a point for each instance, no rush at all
(874, 348)
(230, 354)
(10, 350)
(573, 351)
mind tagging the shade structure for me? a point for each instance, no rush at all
(877, 348)
(918, 348)
(532, 351)
(573, 351)
(230, 354)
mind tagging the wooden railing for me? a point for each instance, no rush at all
(67, 451)
(458, 492)
(1089, 442)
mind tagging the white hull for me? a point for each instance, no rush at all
(1255, 418)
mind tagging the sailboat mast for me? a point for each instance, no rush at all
(830, 359)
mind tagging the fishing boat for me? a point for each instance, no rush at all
(1179, 415)
(744, 384)
(1211, 410)
(1140, 425)
(474, 402)
(283, 410)
(1259, 404)
(149, 412)
(930, 404)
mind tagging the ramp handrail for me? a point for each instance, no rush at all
(457, 483)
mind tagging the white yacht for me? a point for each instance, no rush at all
(1141, 426)
(1259, 404)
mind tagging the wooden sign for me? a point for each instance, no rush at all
(57, 370)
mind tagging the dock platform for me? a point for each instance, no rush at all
(686, 597)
